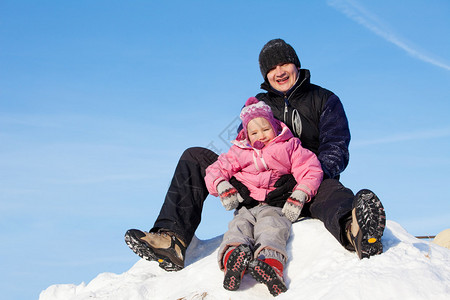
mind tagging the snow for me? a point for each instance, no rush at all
(318, 268)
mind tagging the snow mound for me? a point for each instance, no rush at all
(318, 268)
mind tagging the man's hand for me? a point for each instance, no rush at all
(284, 187)
(244, 192)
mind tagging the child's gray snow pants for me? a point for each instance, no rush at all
(264, 228)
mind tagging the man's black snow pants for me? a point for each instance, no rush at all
(183, 205)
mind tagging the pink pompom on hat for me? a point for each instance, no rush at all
(258, 109)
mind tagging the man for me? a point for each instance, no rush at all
(317, 117)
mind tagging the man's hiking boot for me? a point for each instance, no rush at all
(269, 272)
(236, 262)
(367, 225)
(164, 246)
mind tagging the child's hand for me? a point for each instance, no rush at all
(229, 196)
(294, 204)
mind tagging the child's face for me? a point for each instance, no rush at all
(259, 129)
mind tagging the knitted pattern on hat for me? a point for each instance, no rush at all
(258, 109)
(276, 52)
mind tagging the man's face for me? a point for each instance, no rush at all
(283, 77)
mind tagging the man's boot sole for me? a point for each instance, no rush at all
(141, 248)
(371, 219)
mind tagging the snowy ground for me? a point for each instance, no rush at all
(319, 268)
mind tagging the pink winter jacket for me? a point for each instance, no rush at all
(258, 170)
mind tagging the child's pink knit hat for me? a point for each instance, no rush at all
(258, 109)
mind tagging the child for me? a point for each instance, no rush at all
(264, 150)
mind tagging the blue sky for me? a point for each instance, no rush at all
(98, 99)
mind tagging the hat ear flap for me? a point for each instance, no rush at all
(277, 126)
(242, 135)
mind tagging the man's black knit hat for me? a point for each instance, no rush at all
(276, 52)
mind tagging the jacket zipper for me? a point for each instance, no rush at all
(286, 100)
(259, 157)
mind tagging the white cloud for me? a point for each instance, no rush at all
(355, 11)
